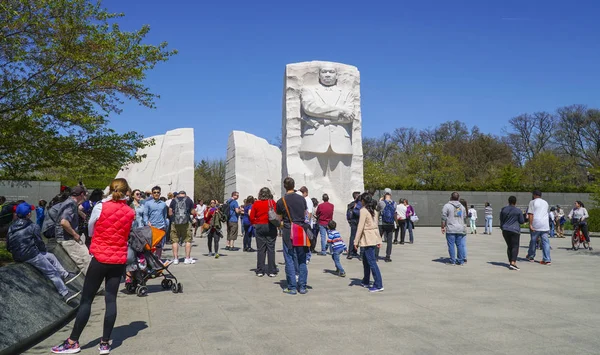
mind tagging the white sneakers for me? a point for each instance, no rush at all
(186, 261)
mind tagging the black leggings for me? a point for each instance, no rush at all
(98, 272)
(584, 229)
(214, 235)
(512, 240)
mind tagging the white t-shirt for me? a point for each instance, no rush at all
(401, 211)
(473, 213)
(539, 209)
(200, 209)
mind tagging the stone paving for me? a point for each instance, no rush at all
(427, 307)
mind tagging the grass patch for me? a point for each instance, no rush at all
(5, 255)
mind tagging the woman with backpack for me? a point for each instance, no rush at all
(266, 233)
(368, 239)
(110, 224)
(215, 219)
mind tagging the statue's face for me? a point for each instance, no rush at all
(328, 76)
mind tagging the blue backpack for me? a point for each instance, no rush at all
(388, 212)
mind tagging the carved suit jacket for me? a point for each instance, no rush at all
(323, 127)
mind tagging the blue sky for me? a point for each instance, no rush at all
(422, 62)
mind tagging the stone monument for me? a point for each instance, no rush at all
(322, 142)
(169, 163)
(252, 163)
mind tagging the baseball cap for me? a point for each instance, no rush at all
(77, 190)
(24, 209)
(388, 191)
(182, 193)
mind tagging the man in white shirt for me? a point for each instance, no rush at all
(401, 221)
(473, 219)
(309, 218)
(539, 226)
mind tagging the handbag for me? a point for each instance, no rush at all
(274, 218)
(414, 218)
(298, 233)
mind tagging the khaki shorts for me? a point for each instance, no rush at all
(232, 230)
(78, 252)
(181, 232)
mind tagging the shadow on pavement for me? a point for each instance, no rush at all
(495, 263)
(441, 260)
(120, 334)
(355, 282)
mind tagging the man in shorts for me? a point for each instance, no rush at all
(179, 210)
(232, 221)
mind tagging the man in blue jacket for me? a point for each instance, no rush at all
(24, 242)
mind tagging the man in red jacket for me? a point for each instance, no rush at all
(324, 214)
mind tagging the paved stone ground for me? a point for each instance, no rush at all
(427, 307)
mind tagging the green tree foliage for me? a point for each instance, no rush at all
(551, 151)
(65, 66)
(209, 180)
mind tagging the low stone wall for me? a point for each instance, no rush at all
(30, 306)
(428, 204)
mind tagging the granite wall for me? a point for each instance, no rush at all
(428, 204)
(30, 306)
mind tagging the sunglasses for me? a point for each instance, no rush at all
(137, 194)
(156, 192)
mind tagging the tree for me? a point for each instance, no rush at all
(209, 179)
(430, 168)
(579, 135)
(531, 134)
(65, 66)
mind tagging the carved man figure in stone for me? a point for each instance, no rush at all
(327, 112)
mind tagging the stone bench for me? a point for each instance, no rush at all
(30, 306)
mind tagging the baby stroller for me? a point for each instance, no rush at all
(142, 264)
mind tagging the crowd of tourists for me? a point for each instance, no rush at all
(94, 231)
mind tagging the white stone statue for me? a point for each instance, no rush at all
(321, 140)
(328, 111)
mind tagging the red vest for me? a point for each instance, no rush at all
(111, 233)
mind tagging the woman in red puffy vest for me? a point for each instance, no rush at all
(109, 226)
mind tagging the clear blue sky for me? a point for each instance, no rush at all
(421, 62)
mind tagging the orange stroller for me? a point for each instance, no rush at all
(143, 265)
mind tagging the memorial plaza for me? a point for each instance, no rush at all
(427, 307)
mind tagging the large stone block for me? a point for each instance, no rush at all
(169, 163)
(252, 163)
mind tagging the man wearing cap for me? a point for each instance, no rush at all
(179, 210)
(66, 230)
(24, 242)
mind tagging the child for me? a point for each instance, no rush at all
(337, 247)
(25, 243)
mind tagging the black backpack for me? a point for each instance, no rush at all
(180, 214)
(51, 219)
(226, 209)
(6, 213)
(350, 211)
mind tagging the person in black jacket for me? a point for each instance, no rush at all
(24, 242)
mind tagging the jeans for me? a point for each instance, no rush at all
(457, 241)
(543, 235)
(370, 266)
(323, 231)
(295, 264)
(402, 229)
(409, 228)
(551, 230)
(335, 255)
(247, 237)
(488, 224)
(52, 269)
(473, 225)
(313, 242)
(388, 231)
(351, 250)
